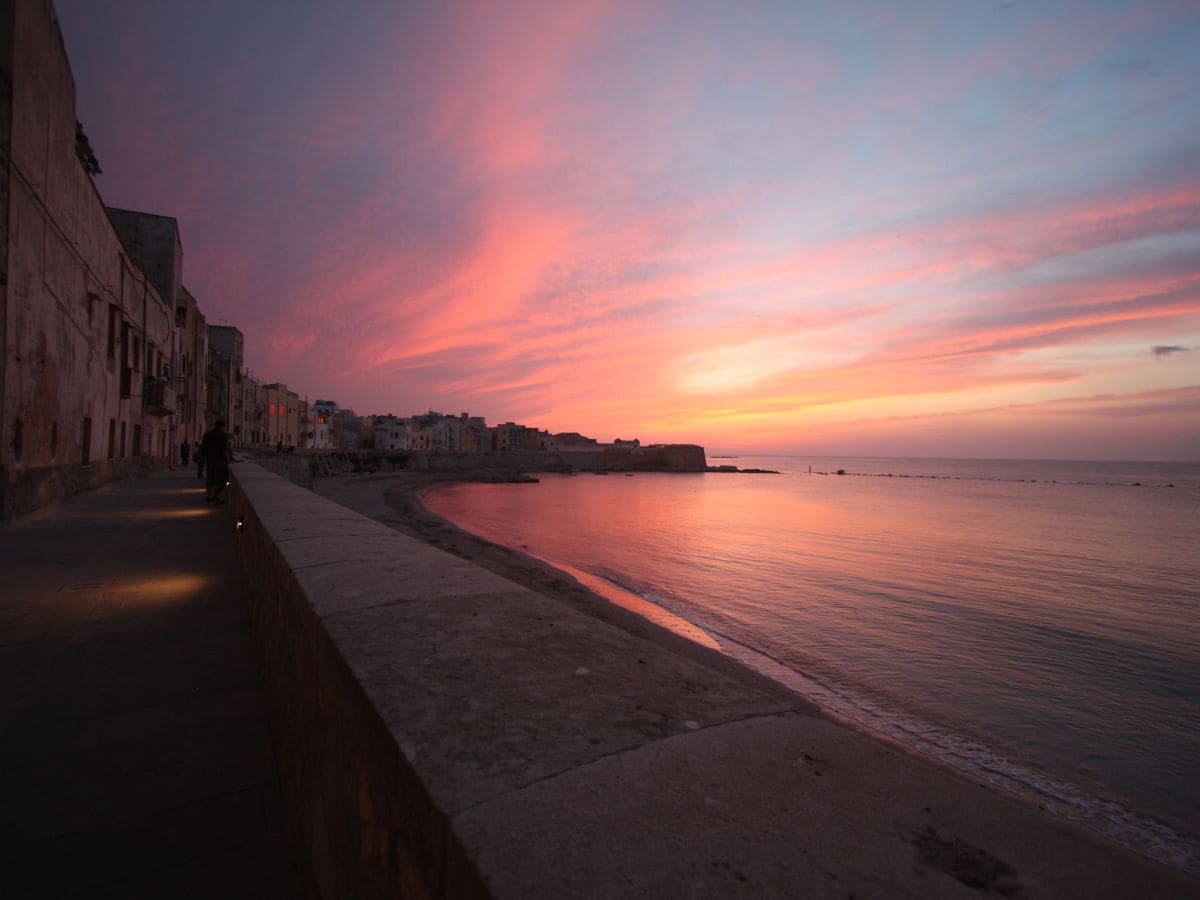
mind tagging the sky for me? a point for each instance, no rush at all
(944, 229)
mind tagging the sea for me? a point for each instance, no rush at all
(1035, 624)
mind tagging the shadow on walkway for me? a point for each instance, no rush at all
(137, 758)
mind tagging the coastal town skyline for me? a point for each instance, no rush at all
(952, 232)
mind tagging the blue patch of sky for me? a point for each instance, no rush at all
(1143, 256)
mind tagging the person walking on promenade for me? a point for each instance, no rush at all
(185, 450)
(215, 454)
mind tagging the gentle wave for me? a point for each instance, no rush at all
(1137, 832)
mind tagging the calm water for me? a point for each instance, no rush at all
(1031, 622)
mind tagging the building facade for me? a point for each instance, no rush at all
(390, 433)
(283, 417)
(88, 337)
(191, 368)
(510, 436)
(226, 351)
(107, 363)
(326, 424)
(251, 412)
(356, 430)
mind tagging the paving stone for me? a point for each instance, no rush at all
(138, 757)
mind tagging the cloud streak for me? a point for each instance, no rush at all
(1168, 350)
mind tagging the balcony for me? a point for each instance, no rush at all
(158, 399)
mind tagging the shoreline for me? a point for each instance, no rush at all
(415, 519)
(397, 500)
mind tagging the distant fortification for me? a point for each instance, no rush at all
(656, 457)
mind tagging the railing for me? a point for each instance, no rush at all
(158, 399)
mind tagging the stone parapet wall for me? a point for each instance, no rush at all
(368, 824)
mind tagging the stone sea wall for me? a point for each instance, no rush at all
(354, 803)
(303, 466)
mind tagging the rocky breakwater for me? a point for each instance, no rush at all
(656, 458)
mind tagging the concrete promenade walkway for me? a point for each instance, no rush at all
(136, 760)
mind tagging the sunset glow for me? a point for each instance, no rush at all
(956, 230)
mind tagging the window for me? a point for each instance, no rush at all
(126, 362)
(123, 432)
(112, 438)
(86, 442)
(18, 438)
(54, 440)
(113, 314)
(137, 440)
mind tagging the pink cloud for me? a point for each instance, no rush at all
(540, 213)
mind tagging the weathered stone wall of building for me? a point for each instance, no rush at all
(7, 14)
(191, 368)
(249, 417)
(77, 314)
(152, 241)
(225, 365)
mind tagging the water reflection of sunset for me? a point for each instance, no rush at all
(956, 601)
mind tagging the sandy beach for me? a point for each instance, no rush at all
(866, 817)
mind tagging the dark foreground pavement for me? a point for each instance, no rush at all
(135, 755)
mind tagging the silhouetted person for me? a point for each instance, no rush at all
(185, 451)
(214, 450)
